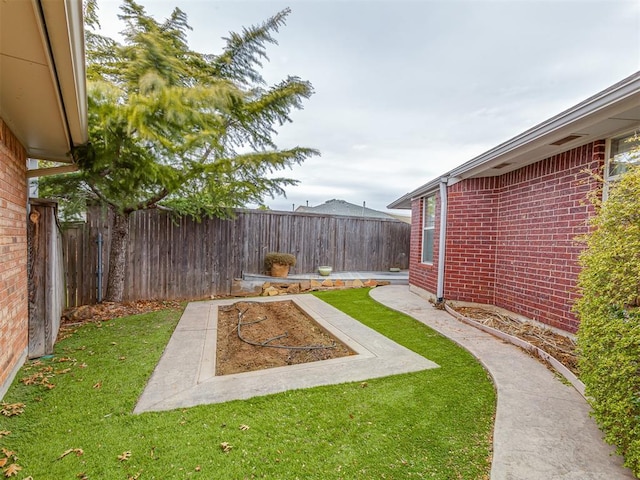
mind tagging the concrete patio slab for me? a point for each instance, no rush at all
(185, 375)
(394, 278)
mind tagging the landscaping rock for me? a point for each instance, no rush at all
(243, 288)
(270, 292)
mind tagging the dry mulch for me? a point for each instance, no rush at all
(271, 323)
(105, 311)
(557, 345)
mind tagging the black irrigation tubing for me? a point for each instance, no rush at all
(266, 342)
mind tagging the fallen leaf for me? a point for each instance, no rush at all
(82, 476)
(8, 453)
(198, 468)
(226, 448)
(3, 462)
(12, 470)
(98, 385)
(11, 409)
(134, 477)
(124, 456)
(4, 433)
(244, 427)
(364, 385)
(77, 451)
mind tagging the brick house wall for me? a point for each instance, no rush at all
(13, 256)
(543, 208)
(511, 239)
(470, 270)
(421, 274)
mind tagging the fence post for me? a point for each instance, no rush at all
(99, 270)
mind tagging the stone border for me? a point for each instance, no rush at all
(270, 288)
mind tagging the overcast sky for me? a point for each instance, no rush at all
(407, 90)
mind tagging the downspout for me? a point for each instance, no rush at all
(442, 239)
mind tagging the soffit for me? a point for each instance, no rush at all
(42, 76)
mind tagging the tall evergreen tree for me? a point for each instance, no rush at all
(170, 127)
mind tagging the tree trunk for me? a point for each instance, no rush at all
(117, 257)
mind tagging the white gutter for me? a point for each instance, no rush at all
(442, 239)
(75, 27)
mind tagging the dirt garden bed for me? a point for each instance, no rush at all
(257, 335)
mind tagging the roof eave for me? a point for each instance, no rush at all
(64, 25)
(42, 69)
(594, 109)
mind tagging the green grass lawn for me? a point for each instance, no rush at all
(431, 424)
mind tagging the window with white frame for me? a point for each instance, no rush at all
(428, 228)
(623, 152)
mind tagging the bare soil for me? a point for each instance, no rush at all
(559, 346)
(271, 334)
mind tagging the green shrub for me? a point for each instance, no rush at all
(609, 312)
(281, 258)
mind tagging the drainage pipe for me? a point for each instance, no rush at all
(442, 239)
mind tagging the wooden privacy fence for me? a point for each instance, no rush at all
(171, 258)
(46, 279)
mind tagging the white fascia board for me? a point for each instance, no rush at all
(75, 26)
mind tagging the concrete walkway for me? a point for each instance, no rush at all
(543, 430)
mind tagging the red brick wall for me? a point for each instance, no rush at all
(511, 239)
(422, 274)
(543, 208)
(13, 253)
(470, 269)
